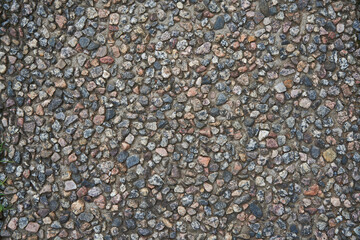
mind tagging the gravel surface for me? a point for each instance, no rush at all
(193, 119)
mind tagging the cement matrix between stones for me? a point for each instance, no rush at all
(188, 119)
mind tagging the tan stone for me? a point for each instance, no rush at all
(39, 110)
(78, 207)
(181, 210)
(290, 48)
(208, 187)
(301, 66)
(166, 222)
(60, 83)
(251, 38)
(329, 155)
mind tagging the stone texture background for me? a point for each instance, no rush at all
(180, 119)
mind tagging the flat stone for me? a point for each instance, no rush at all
(264, 7)
(263, 134)
(29, 127)
(94, 192)
(67, 52)
(86, 217)
(322, 111)
(107, 60)
(271, 143)
(114, 19)
(305, 103)
(258, 17)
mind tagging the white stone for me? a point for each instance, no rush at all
(263, 134)
(280, 87)
(259, 181)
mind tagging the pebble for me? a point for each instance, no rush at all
(329, 155)
(70, 185)
(32, 227)
(280, 87)
(222, 99)
(256, 210)
(132, 161)
(180, 120)
(219, 23)
(78, 207)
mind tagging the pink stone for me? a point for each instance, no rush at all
(99, 119)
(161, 151)
(32, 227)
(271, 143)
(192, 92)
(305, 103)
(103, 13)
(60, 20)
(107, 60)
(204, 161)
(313, 190)
(13, 223)
(100, 201)
(206, 131)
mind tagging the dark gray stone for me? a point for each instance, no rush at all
(54, 104)
(256, 210)
(132, 161)
(219, 23)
